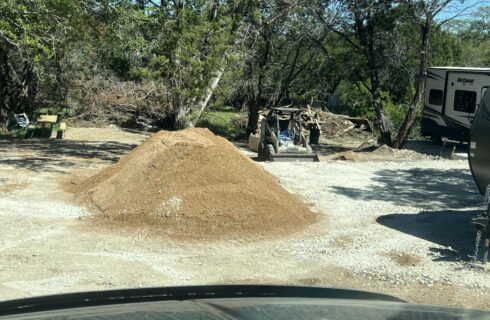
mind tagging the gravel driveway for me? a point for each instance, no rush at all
(395, 227)
(400, 222)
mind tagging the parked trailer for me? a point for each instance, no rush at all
(479, 159)
(452, 95)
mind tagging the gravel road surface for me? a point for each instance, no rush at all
(396, 227)
(400, 222)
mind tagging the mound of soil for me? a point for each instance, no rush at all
(348, 155)
(193, 184)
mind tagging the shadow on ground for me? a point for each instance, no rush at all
(448, 228)
(422, 188)
(57, 155)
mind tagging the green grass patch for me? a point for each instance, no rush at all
(223, 124)
(13, 134)
(21, 133)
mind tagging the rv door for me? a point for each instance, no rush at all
(461, 98)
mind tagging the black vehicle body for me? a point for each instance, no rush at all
(479, 161)
(452, 95)
(227, 302)
(479, 151)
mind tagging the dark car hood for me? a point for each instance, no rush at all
(227, 302)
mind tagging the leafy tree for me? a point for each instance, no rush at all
(367, 26)
(184, 45)
(276, 52)
(474, 38)
(424, 14)
(30, 33)
(164, 60)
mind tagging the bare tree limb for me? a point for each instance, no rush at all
(282, 13)
(155, 4)
(460, 12)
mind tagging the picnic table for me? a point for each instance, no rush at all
(47, 122)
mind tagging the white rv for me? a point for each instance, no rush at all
(452, 95)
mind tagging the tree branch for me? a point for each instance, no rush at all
(8, 40)
(459, 13)
(282, 13)
(154, 3)
(346, 38)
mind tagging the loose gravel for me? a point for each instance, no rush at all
(383, 212)
(396, 227)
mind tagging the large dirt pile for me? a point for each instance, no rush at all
(193, 184)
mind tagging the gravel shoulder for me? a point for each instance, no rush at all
(399, 222)
(396, 227)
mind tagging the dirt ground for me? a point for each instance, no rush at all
(390, 225)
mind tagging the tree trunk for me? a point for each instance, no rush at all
(3, 90)
(382, 119)
(187, 113)
(30, 89)
(419, 90)
(201, 106)
(385, 133)
(253, 109)
(3, 119)
(253, 119)
(285, 83)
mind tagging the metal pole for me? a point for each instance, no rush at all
(452, 153)
(443, 146)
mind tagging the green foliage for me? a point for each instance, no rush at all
(13, 134)
(121, 61)
(221, 123)
(179, 45)
(396, 112)
(355, 100)
(446, 49)
(31, 32)
(473, 36)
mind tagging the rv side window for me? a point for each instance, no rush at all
(483, 91)
(435, 97)
(465, 101)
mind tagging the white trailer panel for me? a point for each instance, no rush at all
(452, 96)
